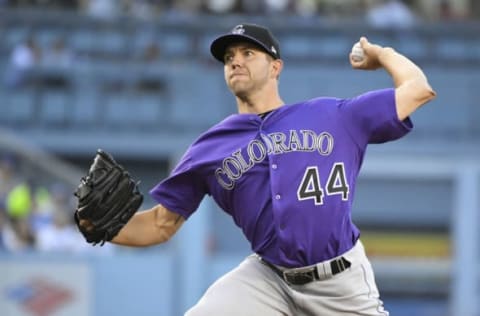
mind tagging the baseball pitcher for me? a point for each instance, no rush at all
(285, 173)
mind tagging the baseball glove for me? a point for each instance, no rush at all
(107, 199)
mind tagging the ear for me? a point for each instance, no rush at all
(277, 66)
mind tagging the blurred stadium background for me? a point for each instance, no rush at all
(135, 78)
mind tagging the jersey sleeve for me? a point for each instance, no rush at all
(183, 190)
(372, 117)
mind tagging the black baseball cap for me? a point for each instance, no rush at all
(252, 33)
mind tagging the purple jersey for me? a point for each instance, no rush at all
(288, 180)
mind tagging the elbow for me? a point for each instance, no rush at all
(166, 224)
(412, 95)
(428, 93)
(165, 235)
(424, 93)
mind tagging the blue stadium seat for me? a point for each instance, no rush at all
(175, 45)
(55, 106)
(18, 107)
(451, 49)
(412, 46)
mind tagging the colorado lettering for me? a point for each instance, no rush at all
(239, 162)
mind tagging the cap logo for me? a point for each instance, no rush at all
(273, 50)
(239, 29)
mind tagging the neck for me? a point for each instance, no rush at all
(258, 103)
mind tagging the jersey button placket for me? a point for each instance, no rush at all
(276, 196)
(274, 166)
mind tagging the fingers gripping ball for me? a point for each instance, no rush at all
(357, 52)
(107, 199)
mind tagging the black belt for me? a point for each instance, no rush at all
(301, 276)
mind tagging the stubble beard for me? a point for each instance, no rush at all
(241, 90)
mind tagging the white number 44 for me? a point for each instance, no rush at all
(310, 187)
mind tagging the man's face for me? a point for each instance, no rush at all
(247, 68)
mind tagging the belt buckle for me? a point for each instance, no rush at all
(299, 277)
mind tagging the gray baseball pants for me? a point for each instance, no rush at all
(253, 288)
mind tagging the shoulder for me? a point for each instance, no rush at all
(319, 101)
(319, 104)
(225, 135)
(374, 96)
(231, 124)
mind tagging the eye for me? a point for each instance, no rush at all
(227, 58)
(249, 52)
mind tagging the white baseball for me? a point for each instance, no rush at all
(357, 52)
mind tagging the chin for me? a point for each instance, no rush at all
(238, 89)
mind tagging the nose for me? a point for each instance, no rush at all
(236, 60)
